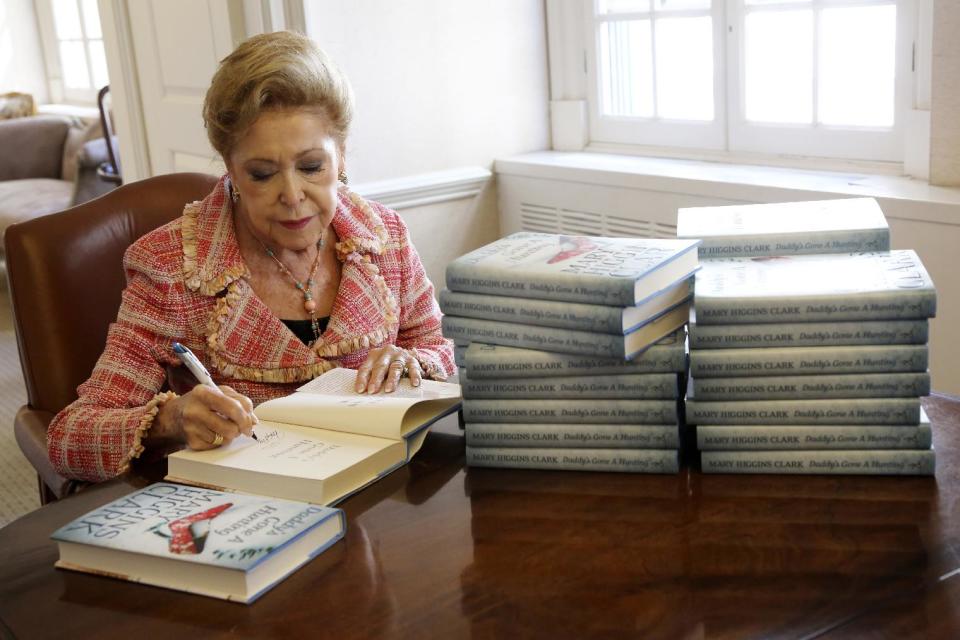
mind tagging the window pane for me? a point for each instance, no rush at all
(626, 68)
(622, 6)
(74, 62)
(91, 19)
(667, 5)
(685, 68)
(98, 62)
(857, 66)
(778, 66)
(66, 18)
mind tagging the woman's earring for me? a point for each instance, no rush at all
(342, 177)
(234, 194)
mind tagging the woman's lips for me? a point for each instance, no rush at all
(294, 225)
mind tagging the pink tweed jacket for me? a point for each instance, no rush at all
(187, 282)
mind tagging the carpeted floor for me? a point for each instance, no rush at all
(18, 480)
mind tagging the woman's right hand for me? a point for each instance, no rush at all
(197, 417)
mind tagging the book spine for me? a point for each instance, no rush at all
(903, 305)
(494, 363)
(621, 460)
(721, 363)
(573, 436)
(867, 385)
(572, 411)
(879, 411)
(855, 462)
(545, 313)
(771, 437)
(807, 334)
(648, 385)
(512, 334)
(460, 355)
(831, 241)
(584, 288)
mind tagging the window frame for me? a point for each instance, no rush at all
(730, 133)
(59, 92)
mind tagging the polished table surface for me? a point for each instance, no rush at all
(439, 551)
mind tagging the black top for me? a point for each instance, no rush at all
(302, 329)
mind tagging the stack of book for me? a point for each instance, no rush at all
(803, 362)
(560, 372)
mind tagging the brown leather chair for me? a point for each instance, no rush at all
(66, 274)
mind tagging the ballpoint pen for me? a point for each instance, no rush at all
(196, 367)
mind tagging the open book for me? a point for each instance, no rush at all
(323, 442)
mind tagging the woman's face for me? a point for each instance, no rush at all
(285, 168)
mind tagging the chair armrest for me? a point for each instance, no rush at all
(30, 429)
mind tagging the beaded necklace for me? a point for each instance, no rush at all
(305, 288)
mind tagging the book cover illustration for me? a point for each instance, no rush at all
(197, 525)
(597, 270)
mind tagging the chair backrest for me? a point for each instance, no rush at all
(65, 272)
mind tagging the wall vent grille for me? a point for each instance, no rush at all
(548, 219)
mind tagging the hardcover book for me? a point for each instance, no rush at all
(814, 288)
(199, 540)
(826, 412)
(571, 411)
(564, 315)
(574, 436)
(593, 270)
(812, 437)
(496, 361)
(851, 462)
(846, 225)
(323, 442)
(601, 345)
(782, 361)
(863, 385)
(634, 385)
(805, 334)
(622, 460)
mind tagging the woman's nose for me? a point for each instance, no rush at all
(291, 194)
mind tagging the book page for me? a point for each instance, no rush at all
(329, 402)
(288, 450)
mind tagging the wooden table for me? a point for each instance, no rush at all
(439, 551)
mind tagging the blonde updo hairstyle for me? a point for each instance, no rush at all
(274, 71)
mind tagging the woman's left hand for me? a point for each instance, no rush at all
(383, 368)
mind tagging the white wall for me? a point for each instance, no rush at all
(439, 84)
(21, 58)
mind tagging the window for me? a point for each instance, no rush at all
(820, 78)
(73, 44)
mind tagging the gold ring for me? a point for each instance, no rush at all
(217, 440)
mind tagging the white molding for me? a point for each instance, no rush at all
(125, 90)
(294, 16)
(426, 188)
(900, 197)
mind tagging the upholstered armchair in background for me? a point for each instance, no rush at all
(65, 274)
(48, 163)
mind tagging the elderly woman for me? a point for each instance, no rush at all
(278, 275)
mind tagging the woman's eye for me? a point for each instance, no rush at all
(311, 168)
(258, 176)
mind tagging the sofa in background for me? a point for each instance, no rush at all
(47, 164)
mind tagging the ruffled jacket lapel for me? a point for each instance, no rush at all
(245, 340)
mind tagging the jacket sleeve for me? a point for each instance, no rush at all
(420, 330)
(95, 437)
